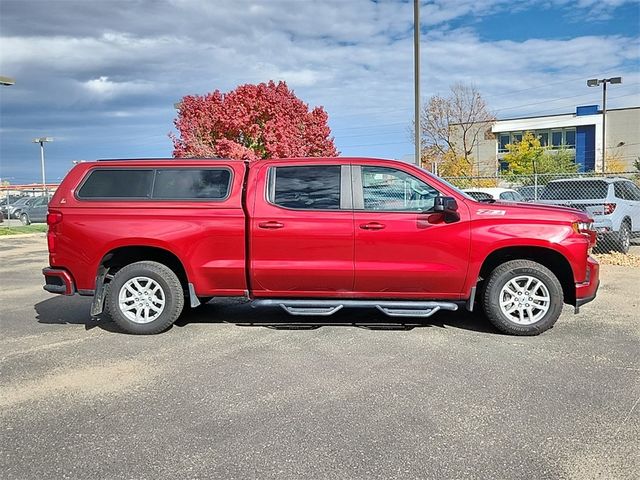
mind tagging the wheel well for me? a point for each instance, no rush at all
(123, 256)
(551, 259)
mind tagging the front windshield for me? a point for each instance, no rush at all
(448, 184)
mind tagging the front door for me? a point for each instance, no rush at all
(402, 250)
(302, 231)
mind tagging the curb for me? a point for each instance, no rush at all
(22, 235)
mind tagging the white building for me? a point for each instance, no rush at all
(580, 132)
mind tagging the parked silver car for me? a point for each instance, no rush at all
(13, 209)
(35, 211)
(613, 203)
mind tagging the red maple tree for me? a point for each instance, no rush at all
(252, 122)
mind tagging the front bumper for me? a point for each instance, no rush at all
(58, 281)
(586, 291)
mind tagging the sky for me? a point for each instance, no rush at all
(102, 76)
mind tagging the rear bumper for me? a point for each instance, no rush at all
(587, 290)
(58, 281)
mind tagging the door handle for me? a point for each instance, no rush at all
(271, 224)
(372, 226)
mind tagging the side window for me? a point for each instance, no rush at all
(389, 189)
(619, 190)
(506, 196)
(314, 187)
(634, 190)
(125, 183)
(628, 191)
(191, 183)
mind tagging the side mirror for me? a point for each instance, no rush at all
(447, 206)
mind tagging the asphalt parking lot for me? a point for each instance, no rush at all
(234, 392)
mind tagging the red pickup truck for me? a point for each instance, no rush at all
(312, 235)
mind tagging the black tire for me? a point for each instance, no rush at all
(24, 219)
(623, 241)
(169, 285)
(512, 270)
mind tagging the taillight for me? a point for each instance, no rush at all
(609, 208)
(53, 218)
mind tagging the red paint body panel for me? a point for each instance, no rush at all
(295, 253)
(414, 254)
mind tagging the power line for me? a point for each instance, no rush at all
(546, 84)
(561, 98)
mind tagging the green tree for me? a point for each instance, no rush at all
(524, 156)
(528, 157)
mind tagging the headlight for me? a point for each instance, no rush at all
(586, 229)
(583, 227)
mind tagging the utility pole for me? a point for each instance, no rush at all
(416, 78)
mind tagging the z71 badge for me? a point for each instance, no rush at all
(487, 211)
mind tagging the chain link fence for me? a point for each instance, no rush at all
(611, 199)
(21, 205)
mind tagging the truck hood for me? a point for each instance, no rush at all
(530, 210)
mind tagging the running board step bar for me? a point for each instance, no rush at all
(392, 308)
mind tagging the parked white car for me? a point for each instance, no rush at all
(504, 194)
(613, 203)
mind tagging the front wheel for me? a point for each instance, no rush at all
(24, 219)
(144, 298)
(522, 297)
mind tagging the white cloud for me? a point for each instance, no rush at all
(105, 88)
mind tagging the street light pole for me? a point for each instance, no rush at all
(416, 78)
(42, 141)
(594, 82)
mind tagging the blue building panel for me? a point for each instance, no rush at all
(586, 110)
(586, 147)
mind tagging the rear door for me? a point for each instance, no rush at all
(402, 250)
(301, 240)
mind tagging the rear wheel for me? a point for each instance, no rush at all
(145, 298)
(522, 297)
(624, 238)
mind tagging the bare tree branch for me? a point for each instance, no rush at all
(452, 125)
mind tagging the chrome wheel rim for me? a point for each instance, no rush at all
(141, 300)
(626, 238)
(525, 300)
